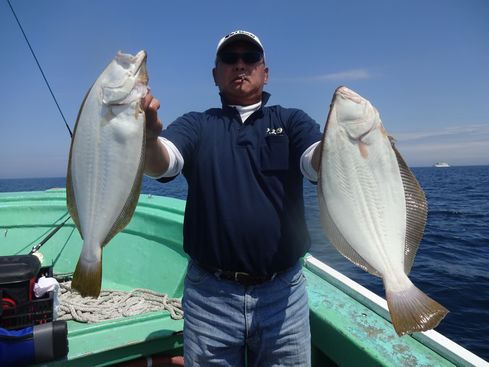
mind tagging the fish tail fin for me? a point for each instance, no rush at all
(412, 310)
(87, 278)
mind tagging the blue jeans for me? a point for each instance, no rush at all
(226, 321)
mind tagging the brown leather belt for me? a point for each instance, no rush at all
(238, 276)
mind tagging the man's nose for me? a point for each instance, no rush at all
(240, 65)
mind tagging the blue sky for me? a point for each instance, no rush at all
(423, 64)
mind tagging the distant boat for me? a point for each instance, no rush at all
(441, 164)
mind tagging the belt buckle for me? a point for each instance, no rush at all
(238, 273)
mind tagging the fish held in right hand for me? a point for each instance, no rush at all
(106, 162)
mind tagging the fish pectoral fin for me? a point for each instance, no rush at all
(412, 310)
(87, 278)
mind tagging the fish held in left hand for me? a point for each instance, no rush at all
(372, 208)
(106, 162)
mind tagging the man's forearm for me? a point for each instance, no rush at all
(157, 158)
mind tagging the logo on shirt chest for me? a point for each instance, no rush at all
(276, 131)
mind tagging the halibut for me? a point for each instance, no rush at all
(106, 162)
(373, 209)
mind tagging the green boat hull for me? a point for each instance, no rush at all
(348, 328)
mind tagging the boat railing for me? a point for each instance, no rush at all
(454, 352)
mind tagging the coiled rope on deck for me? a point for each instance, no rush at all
(112, 304)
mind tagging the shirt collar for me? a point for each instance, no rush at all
(264, 99)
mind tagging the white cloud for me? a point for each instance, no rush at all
(354, 74)
(457, 145)
(342, 76)
(477, 131)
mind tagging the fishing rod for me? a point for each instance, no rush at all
(59, 226)
(60, 277)
(40, 68)
(46, 239)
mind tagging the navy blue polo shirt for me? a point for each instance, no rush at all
(245, 206)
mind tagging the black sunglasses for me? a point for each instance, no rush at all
(231, 58)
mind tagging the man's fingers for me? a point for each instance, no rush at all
(150, 106)
(152, 111)
(154, 105)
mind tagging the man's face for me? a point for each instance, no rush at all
(240, 82)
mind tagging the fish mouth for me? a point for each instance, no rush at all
(352, 107)
(135, 65)
(140, 70)
(140, 61)
(348, 94)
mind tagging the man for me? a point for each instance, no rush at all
(244, 227)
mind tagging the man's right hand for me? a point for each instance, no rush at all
(156, 159)
(150, 106)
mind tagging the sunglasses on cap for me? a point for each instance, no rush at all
(231, 58)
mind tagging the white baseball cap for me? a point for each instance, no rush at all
(239, 35)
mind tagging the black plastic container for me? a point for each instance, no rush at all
(19, 307)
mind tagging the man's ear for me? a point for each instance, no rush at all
(266, 76)
(214, 75)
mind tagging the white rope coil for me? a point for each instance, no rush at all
(112, 304)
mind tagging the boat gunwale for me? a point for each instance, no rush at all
(453, 352)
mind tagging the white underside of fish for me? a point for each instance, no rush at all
(372, 209)
(105, 169)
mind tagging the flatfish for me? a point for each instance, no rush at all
(373, 209)
(106, 162)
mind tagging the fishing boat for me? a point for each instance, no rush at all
(441, 165)
(350, 325)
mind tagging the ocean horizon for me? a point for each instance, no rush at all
(62, 177)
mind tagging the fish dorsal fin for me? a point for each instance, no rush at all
(71, 201)
(70, 192)
(336, 238)
(416, 211)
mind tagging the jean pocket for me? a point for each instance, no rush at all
(195, 274)
(292, 278)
